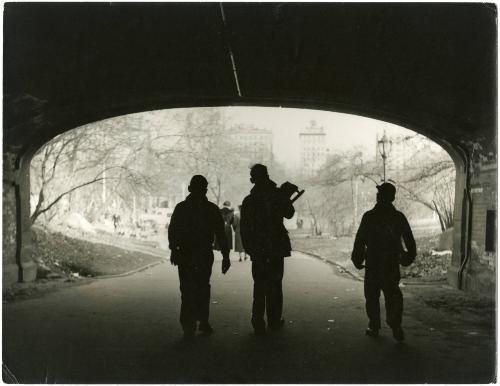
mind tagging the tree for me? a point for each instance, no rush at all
(430, 181)
(120, 162)
(436, 191)
(332, 194)
(207, 150)
(102, 153)
(344, 187)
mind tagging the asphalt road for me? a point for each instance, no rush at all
(126, 330)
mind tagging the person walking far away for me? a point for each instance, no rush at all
(266, 240)
(379, 250)
(116, 221)
(238, 245)
(228, 216)
(194, 223)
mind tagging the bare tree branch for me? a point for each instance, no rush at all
(36, 214)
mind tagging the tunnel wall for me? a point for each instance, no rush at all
(460, 214)
(473, 267)
(480, 273)
(9, 225)
(17, 261)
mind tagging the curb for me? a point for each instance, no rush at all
(424, 283)
(355, 276)
(130, 272)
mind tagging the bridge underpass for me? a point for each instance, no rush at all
(428, 67)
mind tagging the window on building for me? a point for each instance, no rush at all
(491, 231)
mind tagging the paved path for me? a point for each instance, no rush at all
(125, 330)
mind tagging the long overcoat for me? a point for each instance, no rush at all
(238, 245)
(228, 217)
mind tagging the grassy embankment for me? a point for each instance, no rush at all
(66, 255)
(65, 261)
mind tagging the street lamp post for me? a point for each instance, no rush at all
(384, 148)
(358, 165)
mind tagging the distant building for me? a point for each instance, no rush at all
(312, 149)
(253, 144)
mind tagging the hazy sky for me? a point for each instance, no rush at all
(343, 131)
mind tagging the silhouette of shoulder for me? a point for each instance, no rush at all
(209, 211)
(189, 203)
(214, 210)
(375, 213)
(374, 218)
(249, 202)
(246, 200)
(212, 206)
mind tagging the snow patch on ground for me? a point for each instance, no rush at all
(77, 221)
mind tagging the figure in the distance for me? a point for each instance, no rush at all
(238, 245)
(228, 216)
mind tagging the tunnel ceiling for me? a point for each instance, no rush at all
(429, 66)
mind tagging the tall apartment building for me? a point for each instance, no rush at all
(253, 144)
(312, 149)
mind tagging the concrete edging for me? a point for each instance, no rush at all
(355, 276)
(360, 278)
(130, 272)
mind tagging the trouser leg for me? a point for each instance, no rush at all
(259, 293)
(274, 295)
(393, 304)
(372, 296)
(188, 297)
(203, 275)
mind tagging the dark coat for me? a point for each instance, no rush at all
(378, 240)
(262, 231)
(238, 244)
(228, 217)
(194, 223)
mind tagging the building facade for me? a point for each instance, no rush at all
(312, 149)
(254, 145)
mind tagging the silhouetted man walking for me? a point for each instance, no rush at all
(266, 240)
(378, 248)
(193, 225)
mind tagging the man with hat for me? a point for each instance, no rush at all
(378, 248)
(194, 223)
(266, 240)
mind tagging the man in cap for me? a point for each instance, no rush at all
(378, 248)
(194, 223)
(266, 240)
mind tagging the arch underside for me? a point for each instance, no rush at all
(428, 67)
(77, 116)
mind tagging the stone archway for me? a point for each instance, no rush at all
(26, 266)
(428, 67)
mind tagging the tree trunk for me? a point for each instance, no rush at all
(440, 216)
